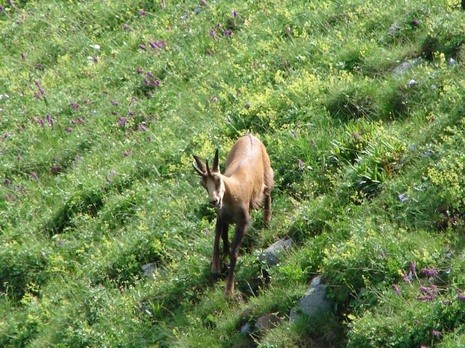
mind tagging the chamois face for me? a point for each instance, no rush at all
(215, 188)
(211, 181)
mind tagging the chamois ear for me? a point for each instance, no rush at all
(216, 168)
(200, 168)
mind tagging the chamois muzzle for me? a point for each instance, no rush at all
(215, 203)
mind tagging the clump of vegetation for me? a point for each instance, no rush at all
(106, 237)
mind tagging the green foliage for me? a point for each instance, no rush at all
(103, 103)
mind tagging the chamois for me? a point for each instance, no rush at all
(246, 182)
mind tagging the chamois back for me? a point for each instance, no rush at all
(249, 163)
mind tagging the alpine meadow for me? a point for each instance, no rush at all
(106, 236)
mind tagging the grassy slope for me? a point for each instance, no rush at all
(103, 103)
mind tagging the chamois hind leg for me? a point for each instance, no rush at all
(267, 208)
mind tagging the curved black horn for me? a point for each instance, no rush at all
(215, 162)
(208, 169)
(199, 166)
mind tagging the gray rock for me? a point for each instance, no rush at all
(150, 269)
(246, 329)
(394, 29)
(267, 322)
(407, 65)
(314, 302)
(272, 254)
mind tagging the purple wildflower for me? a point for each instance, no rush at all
(435, 333)
(55, 169)
(142, 127)
(408, 276)
(23, 55)
(122, 121)
(227, 32)
(142, 46)
(431, 272)
(69, 129)
(75, 106)
(413, 267)
(234, 13)
(7, 182)
(212, 34)
(300, 163)
(396, 289)
(34, 175)
(41, 90)
(142, 13)
(425, 298)
(50, 120)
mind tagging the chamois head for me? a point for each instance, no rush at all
(211, 180)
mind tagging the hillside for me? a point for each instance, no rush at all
(105, 234)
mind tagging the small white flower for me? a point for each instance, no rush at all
(412, 82)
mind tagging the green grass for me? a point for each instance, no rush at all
(103, 103)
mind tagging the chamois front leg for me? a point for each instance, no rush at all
(241, 230)
(225, 237)
(221, 231)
